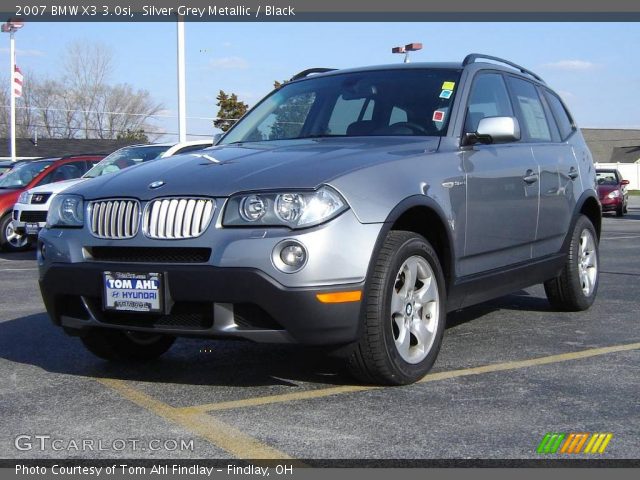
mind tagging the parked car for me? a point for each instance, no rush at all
(30, 211)
(31, 174)
(612, 191)
(349, 208)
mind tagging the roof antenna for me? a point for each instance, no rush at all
(410, 47)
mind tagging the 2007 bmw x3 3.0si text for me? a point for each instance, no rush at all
(349, 208)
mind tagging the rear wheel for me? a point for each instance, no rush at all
(404, 314)
(118, 345)
(576, 287)
(10, 240)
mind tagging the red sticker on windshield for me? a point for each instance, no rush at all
(438, 116)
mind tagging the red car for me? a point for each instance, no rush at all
(29, 175)
(612, 191)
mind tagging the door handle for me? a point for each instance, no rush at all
(530, 177)
(573, 173)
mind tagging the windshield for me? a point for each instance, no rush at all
(21, 175)
(606, 178)
(125, 157)
(413, 102)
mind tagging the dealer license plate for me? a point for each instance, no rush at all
(32, 228)
(133, 292)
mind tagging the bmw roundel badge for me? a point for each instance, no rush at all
(156, 184)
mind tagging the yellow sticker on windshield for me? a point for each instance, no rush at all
(448, 85)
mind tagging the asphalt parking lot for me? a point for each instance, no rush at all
(509, 371)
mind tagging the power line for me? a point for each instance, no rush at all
(114, 113)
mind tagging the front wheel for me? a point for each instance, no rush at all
(118, 345)
(10, 240)
(404, 314)
(575, 288)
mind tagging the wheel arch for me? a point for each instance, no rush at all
(422, 215)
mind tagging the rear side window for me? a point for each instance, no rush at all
(530, 111)
(488, 98)
(565, 124)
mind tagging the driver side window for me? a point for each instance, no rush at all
(488, 98)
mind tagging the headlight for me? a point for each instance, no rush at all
(66, 211)
(288, 209)
(24, 197)
(614, 194)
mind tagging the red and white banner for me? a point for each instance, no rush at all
(17, 82)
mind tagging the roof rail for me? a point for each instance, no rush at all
(309, 71)
(472, 57)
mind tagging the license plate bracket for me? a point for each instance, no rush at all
(32, 228)
(133, 292)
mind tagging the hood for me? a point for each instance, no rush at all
(604, 190)
(225, 170)
(56, 187)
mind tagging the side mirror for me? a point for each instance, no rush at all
(624, 182)
(495, 130)
(217, 137)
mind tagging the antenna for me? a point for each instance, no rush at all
(410, 47)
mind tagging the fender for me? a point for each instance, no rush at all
(587, 194)
(402, 207)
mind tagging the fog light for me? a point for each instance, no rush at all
(289, 256)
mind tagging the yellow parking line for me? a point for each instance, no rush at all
(433, 377)
(218, 433)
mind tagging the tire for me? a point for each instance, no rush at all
(122, 346)
(9, 240)
(576, 287)
(403, 319)
(620, 211)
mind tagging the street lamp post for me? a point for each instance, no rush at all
(11, 27)
(182, 107)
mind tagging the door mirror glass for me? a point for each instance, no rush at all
(217, 137)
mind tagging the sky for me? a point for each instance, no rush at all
(593, 66)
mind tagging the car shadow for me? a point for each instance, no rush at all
(33, 340)
(18, 256)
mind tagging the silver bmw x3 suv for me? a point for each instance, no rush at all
(349, 208)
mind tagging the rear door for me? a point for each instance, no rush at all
(502, 186)
(547, 128)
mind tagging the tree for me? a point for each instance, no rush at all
(230, 110)
(82, 103)
(133, 136)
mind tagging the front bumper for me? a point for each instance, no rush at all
(609, 204)
(205, 301)
(28, 220)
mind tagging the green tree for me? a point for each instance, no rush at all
(133, 135)
(230, 110)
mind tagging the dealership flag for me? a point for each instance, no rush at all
(17, 82)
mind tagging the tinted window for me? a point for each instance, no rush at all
(565, 124)
(530, 111)
(125, 157)
(348, 111)
(21, 175)
(68, 171)
(488, 98)
(409, 101)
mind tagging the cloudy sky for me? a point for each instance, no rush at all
(592, 65)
